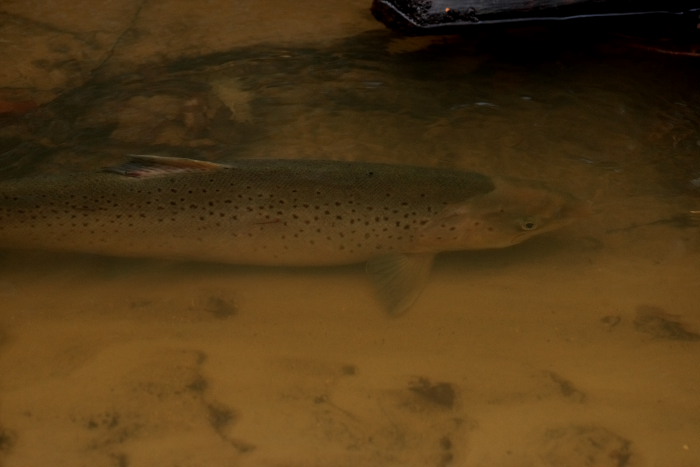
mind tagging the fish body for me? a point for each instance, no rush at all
(278, 212)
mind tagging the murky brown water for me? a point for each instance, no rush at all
(578, 348)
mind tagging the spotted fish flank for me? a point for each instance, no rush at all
(280, 212)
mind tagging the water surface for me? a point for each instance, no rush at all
(578, 348)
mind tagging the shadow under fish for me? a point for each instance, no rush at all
(396, 218)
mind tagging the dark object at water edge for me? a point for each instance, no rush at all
(452, 16)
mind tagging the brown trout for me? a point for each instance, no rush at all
(281, 212)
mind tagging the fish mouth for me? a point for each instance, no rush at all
(576, 209)
(518, 238)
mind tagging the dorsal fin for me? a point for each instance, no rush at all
(146, 166)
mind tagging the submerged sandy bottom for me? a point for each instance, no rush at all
(550, 353)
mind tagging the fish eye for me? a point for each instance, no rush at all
(528, 224)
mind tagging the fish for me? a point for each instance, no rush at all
(276, 212)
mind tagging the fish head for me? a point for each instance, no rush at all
(510, 214)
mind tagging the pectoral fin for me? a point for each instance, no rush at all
(399, 279)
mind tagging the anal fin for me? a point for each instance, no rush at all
(399, 279)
